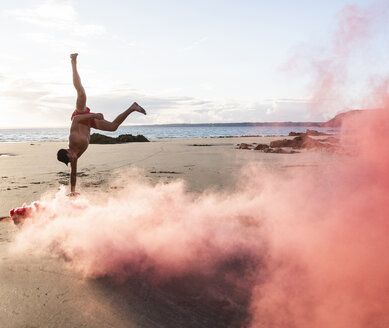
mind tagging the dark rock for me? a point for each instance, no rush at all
(283, 143)
(97, 138)
(338, 120)
(299, 142)
(261, 147)
(308, 133)
(295, 134)
(244, 146)
(313, 144)
(305, 142)
(315, 133)
(330, 140)
(277, 150)
(130, 138)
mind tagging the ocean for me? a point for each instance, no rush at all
(168, 131)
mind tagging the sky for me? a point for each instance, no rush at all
(183, 61)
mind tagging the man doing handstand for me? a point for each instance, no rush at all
(82, 121)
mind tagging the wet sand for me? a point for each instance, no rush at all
(43, 292)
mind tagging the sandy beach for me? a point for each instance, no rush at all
(42, 291)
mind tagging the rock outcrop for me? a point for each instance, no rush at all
(244, 146)
(337, 121)
(97, 138)
(263, 147)
(301, 141)
(308, 133)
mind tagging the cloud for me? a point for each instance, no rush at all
(186, 109)
(40, 103)
(23, 89)
(28, 102)
(62, 44)
(58, 16)
(196, 43)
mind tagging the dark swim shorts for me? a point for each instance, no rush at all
(91, 122)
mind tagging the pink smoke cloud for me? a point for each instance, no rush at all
(331, 70)
(338, 72)
(161, 230)
(327, 264)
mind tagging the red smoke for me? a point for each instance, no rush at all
(338, 73)
(160, 231)
(327, 263)
(331, 69)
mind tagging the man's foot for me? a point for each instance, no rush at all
(73, 57)
(136, 108)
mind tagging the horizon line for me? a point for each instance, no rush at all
(175, 124)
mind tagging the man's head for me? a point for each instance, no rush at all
(62, 156)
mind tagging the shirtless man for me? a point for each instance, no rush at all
(82, 121)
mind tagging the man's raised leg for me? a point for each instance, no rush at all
(81, 95)
(112, 126)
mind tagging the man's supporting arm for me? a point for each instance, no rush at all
(73, 176)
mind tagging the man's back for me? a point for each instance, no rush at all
(79, 137)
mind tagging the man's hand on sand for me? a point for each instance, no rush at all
(136, 108)
(73, 194)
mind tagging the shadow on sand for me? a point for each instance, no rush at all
(195, 300)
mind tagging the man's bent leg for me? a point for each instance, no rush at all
(81, 95)
(105, 125)
(112, 126)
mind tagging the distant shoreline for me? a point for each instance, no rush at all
(313, 124)
(248, 124)
(214, 130)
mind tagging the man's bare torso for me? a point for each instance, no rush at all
(79, 137)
